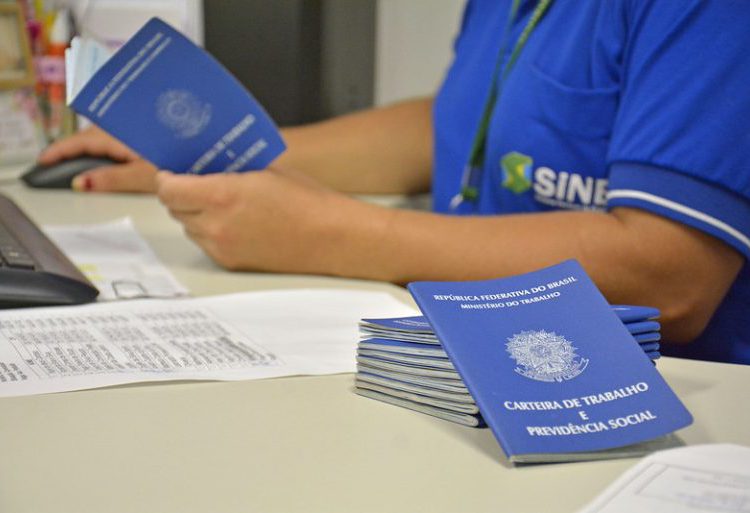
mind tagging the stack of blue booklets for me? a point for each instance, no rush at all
(542, 359)
(401, 361)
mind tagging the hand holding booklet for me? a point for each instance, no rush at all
(175, 105)
(555, 372)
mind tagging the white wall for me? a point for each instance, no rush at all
(114, 21)
(413, 46)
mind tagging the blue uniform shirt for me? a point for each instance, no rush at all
(618, 103)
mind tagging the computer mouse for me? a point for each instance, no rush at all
(60, 174)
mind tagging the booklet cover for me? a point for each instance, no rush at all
(175, 105)
(402, 347)
(441, 413)
(430, 362)
(417, 397)
(423, 389)
(406, 368)
(631, 315)
(446, 384)
(553, 370)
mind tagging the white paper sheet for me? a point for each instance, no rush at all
(232, 337)
(117, 260)
(702, 478)
(83, 58)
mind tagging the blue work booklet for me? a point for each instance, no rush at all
(175, 105)
(556, 374)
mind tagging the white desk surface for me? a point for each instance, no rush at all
(305, 444)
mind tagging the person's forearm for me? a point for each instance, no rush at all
(384, 150)
(632, 256)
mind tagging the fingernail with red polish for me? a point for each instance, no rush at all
(82, 183)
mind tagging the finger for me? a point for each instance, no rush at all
(87, 142)
(192, 222)
(74, 145)
(186, 217)
(204, 242)
(208, 246)
(189, 193)
(196, 235)
(135, 176)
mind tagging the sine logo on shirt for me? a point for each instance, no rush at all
(561, 189)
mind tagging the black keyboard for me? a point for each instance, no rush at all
(33, 271)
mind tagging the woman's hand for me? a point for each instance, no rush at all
(132, 174)
(272, 220)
